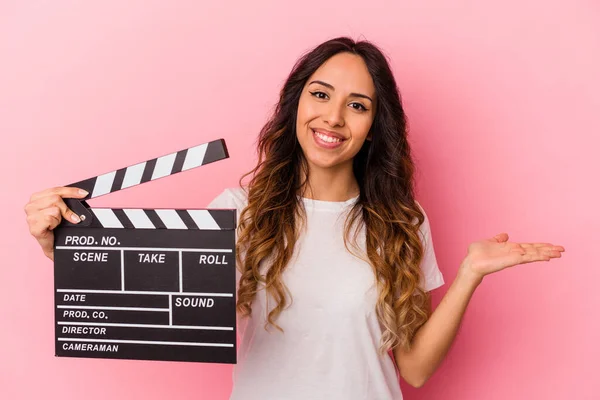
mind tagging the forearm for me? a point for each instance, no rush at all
(433, 340)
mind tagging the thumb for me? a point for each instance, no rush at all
(501, 237)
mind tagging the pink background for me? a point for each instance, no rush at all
(503, 100)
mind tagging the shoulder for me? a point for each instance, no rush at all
(425, 228)
(421, 208)
(234, 197)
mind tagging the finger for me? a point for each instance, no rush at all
(532, 261)
(533, 257)
(53, 200)
(538, 254)
(542, 247)
(44, 221)
(67, 213)
(534, 245)
(41, 228)
(551, 253)
(62, 191)
(42, 203)
(550, 248)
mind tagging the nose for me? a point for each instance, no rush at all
(334, 115)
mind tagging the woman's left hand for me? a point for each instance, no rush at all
(495, 254)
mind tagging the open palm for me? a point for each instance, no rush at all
(491, 255)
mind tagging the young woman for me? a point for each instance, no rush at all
(335, 255)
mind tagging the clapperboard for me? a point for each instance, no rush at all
(147, 284)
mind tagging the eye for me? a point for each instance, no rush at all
(323, 96)
(359, 108)
(317, 94)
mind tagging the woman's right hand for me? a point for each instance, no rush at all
(44, 212)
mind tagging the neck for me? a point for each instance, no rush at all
(331, 184)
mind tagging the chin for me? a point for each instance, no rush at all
(317, 160)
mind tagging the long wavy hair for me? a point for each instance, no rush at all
(386, 208)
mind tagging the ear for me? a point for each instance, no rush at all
(369, 136)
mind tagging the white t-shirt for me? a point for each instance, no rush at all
(329, 347)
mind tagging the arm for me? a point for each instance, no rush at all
(432, 341)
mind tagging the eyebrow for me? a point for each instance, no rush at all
(364, 96)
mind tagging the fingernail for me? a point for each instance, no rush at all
(83, 192)
(75, 218)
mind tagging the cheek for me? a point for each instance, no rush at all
(361, 129)
(304, 115)
(305, 111)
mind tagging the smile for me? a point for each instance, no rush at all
(326, 141)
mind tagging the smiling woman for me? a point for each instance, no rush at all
(335, 256)
(333, 249)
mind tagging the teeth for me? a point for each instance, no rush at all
(327, 139)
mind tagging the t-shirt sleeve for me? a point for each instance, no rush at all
(223, 200)
(432, 276)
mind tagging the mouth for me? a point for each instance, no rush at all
(327, 139)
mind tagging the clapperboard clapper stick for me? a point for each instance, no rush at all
(146, 284)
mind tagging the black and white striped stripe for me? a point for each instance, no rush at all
(162, 218)
(154, 169)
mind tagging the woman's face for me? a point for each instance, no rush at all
(335, 111)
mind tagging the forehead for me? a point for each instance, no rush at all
(347, 73)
